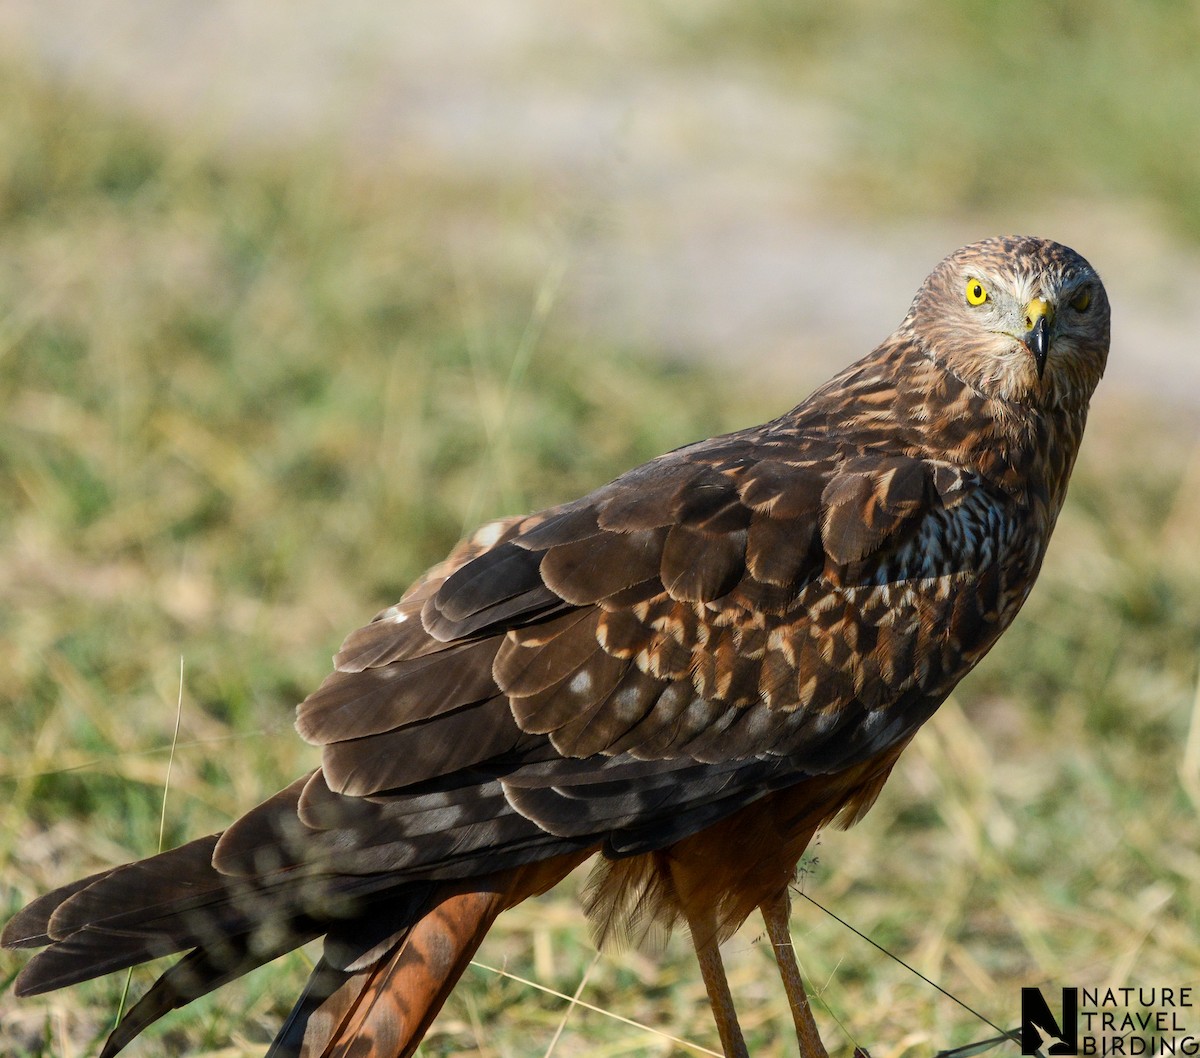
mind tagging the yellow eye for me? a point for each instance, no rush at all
(976, 293)
(1082, 300)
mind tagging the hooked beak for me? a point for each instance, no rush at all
(1038, 317)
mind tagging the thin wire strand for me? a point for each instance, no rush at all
(911, 969)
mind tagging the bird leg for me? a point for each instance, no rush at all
(708, 954)
(775, 913)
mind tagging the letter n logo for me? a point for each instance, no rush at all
(1038, 1026)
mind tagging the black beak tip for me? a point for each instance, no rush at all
(1038, 340)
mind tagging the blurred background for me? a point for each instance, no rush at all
(292, 294)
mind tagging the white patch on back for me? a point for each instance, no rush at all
(488, 534)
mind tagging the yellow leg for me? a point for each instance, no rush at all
(775, 914)
(708, 954)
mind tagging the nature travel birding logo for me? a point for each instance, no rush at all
(1144, 1021)
(1041, 1032)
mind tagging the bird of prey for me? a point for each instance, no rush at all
(685, 674)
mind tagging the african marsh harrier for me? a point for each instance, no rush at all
(688, 671)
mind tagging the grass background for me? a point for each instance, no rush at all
(245, 398)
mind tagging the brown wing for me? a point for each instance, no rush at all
(719, 622)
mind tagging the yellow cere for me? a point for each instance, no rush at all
(976, 292)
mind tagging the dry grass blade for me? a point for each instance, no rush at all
(576, 1001)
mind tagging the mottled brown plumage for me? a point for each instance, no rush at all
(690, 671)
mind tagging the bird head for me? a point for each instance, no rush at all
(1016, 318)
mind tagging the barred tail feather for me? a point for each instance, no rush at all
(383, 1009)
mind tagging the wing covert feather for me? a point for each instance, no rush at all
(633, 620)
(705, 611)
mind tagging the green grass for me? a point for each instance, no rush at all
(244, 401)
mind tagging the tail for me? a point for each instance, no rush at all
(394, 949)
(383, 1008)
(379, 1001)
